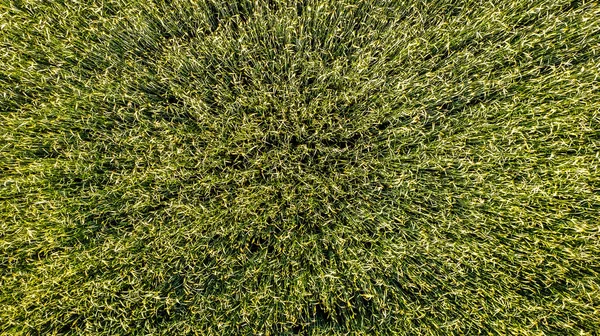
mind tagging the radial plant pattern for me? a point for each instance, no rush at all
(299, 167)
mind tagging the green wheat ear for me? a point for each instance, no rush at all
(305, 167)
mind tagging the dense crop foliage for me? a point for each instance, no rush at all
(311, 167)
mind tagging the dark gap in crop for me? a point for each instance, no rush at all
(72, 324)
(294, 141)
(321, 315)
(159, 94)
(107, 166)
(129, 44)
(297, 329)
(579, 58)
(408, 293)
(161, 316)
(153, 208)
(583, 270)
(19, 260)
(244, 10)
(124, 288)
(84, 235)
(481, 98)
(345, 110)
(207, 262)
(44, 151)
(329, 168)
(574, 4)
(213, 285)
(246, 81)
(110, 223)
(535, 288)
(13, 103)
(323, 169)
(300, 5)
(272, 142)
(313, 156)
(526, 21)
(236, 161)
(311, 227)
(173, 100)
(213, 16)
(305, 160)
(210, 100)
(24, 7)
(185, 29)
(440, 53)
(257, 244)
(454, 107)
(333, 86)
(301, 220)
(41, 253)
(212, 192)
(76, 181)
(215, 240)
(383, 125)
(111, 106)
(90, 63)
(272, 5)
(359, 306)
(328, 253)
(274, 230)
(452, 11)
(307, 83)
(342, 143)
(234, 29)
(154, 90)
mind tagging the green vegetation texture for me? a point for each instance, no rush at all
(317, 167)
